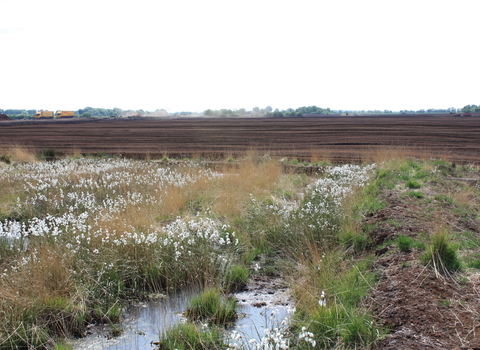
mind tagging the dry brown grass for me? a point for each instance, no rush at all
(232, 191)
(75, 152)
(321, 155)
(466, 197)
(386, 154)
(23, 154)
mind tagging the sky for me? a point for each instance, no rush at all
(192, 55)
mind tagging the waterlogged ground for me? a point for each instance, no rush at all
(84, 233)
(265, 302)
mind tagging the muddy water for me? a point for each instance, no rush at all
(264, 303)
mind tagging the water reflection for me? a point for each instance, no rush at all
(145, 322)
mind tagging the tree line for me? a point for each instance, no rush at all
(242, 112)
(266, 112)
(471, 109)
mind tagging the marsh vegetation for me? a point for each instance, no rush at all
(83, 237)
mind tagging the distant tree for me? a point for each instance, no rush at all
(290, 112)
(256, 110)
(268, 109)
(277, 113)
(470, 109)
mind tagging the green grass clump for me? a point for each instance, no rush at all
(190, 336)
(49, 153)
(413, 184)
(474, 264)
(416, 194)
(341, 319)
(213, 307)
(62, 346)
(404, 243)
(6, 158)
(358, 241)
(236, 278)
(442, 254)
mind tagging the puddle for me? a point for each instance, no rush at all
(144, 322)
(265, 304)
(142, 325)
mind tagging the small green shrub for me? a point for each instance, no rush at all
(49, 153)
(213, 307)
(413, 184)
(6, 158)
(442, 254)
(294, 161)
(404, 243)
(415, 194)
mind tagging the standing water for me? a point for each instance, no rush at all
(265, 301)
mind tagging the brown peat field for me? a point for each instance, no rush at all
(339, 138)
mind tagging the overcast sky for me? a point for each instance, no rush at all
(198, 54)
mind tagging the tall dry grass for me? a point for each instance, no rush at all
(19, 153)
(321, 155)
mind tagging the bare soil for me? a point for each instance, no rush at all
(422, 308)
(342, 139)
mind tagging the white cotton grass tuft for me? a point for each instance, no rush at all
(323, 300)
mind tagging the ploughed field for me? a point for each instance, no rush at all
(342, 139)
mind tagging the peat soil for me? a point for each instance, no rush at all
(422, 308)
(337, 139)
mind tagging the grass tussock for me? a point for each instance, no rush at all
(23, 154)
(213, 307)
(442, 253)
(190, 336)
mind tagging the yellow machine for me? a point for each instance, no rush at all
(64, 114)
(43, 114)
